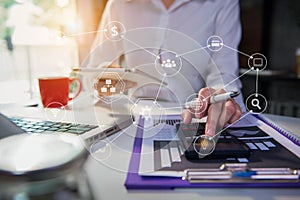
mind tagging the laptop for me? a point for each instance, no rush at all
(90, 133)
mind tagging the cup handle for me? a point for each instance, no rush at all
(79, 89)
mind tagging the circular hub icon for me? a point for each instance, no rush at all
(256, 103)
(257, 62)
(168, 63)
(114, 31)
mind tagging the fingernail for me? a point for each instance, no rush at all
(210, 132)
(198, 115)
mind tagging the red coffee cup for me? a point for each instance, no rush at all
(55, 91)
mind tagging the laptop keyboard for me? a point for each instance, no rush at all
(35, 126)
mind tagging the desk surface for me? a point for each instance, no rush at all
(107, 177)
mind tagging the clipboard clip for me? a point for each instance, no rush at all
(234, 171)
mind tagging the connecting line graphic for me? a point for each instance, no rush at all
(237, 78)
(83, 33)
(256, 83)
(170, 108)
(135, 44)
(213, 139)
(127, 97)
(230, 82)
(160, 86)
(251, 57)
(229, 126)
(121, 132)
(81, 97)
(192, 51)
(237, 51)
(202, 48)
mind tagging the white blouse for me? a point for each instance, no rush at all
(183, 29)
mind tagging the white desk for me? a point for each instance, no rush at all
(107, 180)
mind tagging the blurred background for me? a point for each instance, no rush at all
(45, 38)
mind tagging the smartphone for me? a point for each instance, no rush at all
(227, 146)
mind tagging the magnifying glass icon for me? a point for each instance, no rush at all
(255, 103)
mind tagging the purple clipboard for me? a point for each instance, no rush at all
(135, 181)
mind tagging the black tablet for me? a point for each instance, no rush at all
(225, 146)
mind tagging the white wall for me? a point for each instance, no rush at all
(29, 62)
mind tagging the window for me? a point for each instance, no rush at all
(36, 41)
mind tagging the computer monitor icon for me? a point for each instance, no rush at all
(258, 62)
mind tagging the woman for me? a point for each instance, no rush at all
(156, 32)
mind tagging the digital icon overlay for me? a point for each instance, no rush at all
(204, 145)
(168, 63)
(257, 62)
(148, 109)
(107, 85)
(55, 111)
(215, 43)
(196, 101)
(256, 103)
(114, 31)
(101, 150)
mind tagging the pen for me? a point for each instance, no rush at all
(251, 173)
(213, 99)
(276, 174)
(197, 175)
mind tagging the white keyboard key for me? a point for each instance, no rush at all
(251, 146)
(165, 157)
(269, 144)
(243, 160)
(261, 146)
(175, 156)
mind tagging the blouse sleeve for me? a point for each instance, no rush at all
(228, 27)
(105, 51)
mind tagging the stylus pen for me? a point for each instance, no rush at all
(213, 99)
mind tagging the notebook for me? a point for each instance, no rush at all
(282, 127)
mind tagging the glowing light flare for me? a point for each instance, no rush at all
(62, 3)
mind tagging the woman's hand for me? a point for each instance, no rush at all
(218, 114)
